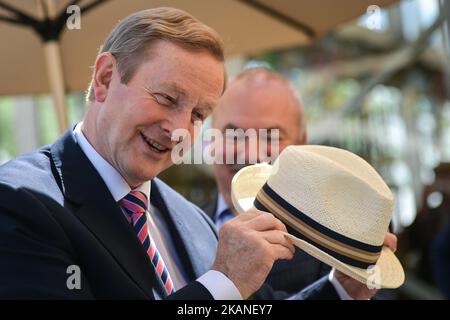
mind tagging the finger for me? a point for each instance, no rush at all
(277, 237)
(245, 216)
(280, 252)
(249, 214)
(390, 241)
(265, 221)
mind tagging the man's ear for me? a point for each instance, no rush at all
(103, 72)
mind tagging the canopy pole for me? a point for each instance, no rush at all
(46, 9)
(56, 80)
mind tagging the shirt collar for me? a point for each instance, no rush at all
(115, 183)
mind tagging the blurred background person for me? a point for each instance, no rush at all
(259, 98)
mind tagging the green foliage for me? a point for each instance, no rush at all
(7, 126)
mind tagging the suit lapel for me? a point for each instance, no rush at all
(196, 249)
(88, 197)
(157, 200)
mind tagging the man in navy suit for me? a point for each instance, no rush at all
(259, 98)
(86, 217)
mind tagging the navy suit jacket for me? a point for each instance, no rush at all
(56, 212)
(441, 260)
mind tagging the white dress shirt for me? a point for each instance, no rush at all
(338, 287)
(221, 206)
(220, 287)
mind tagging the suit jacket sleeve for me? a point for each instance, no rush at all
(34, 252)
(441, 261)
(322, 289)
(193, 291)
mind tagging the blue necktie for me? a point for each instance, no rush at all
(223, 217)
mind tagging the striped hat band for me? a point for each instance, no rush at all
(344, 249)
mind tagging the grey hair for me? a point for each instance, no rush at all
(130, 41)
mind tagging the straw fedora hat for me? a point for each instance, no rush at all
(336, 205)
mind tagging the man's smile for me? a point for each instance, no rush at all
(154, 145)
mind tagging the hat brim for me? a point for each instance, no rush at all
(387, 273)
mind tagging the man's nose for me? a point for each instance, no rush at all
(249, 151)
(258, 150)
(176, 121)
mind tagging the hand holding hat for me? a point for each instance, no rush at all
(247, 248)
(356, 289)
(336, 203)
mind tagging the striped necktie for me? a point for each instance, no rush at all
(135, 204)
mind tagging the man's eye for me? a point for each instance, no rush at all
(164, 99)
(197, 116)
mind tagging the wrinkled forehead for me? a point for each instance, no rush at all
(183, 72)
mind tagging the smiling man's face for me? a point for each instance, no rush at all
(134, 123)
